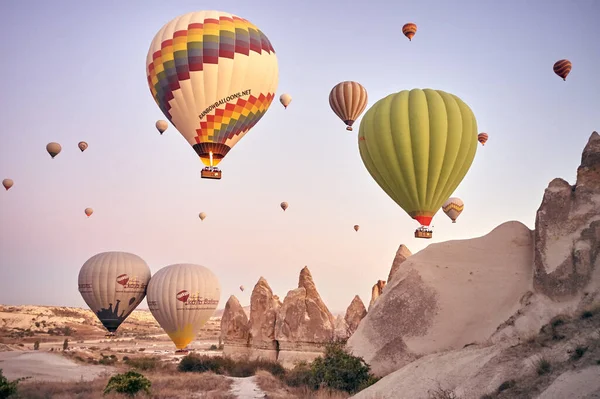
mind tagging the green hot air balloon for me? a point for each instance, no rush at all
(418, 146)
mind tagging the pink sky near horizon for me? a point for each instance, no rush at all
(146, 190)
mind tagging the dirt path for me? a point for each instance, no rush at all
(246, 388)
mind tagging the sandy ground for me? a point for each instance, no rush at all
(582, 384)
(246, 388)
(46, 366)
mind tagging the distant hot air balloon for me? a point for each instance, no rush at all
(409, 30)
(482, 138)
(348, 100)
(89, 211)
(161, 126)
(202, 215)
(82, 146)
(113, 284)
(182, 298)
(418, 145)
(356, 227)
(213, 75)
(53, 149)
(242, 288)
(284, 206)
(285, 100)
(562, 68)
(7, 183)
(453, 207)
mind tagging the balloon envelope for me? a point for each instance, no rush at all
(562, 68)
(89, 211)
(202, 215)
(113, 284)
(284, 205)
(356, 227)
(241, 288)
(285, 100)
(182, 298)
(409, 30)
(213, 75)
(348, 100)
(82, 146)
(482, 138)
(453, 207)
(161, 126)
(53, 149)
(7, 183)
(418, 145)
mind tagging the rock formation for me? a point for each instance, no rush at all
(376, 291)
(446, 296)
(341, 328)
(303, 323)
(235, 332)
(354, 314)
(263, 314)
(492, 294)
(567, 230)
(401, 255)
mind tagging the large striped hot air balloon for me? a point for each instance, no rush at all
(482, 138)
(409, 30)
(562, 68)
(348, 100)
(453, 207)
(418, 145)
(182, 298)
(113, 284)
(213, 75)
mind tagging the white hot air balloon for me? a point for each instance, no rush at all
(182, 298)
(113, 284)
(285, 100)
(453, 207)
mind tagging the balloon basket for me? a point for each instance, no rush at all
(182, 351)
(423, 233)
(211, 173)
(109, 336)
(349, 128)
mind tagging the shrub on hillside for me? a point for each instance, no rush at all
(221, 365)
(129, 383)
(143, 363)
(8, 388)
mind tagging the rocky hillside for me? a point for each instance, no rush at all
(511, 314)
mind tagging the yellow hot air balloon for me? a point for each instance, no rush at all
(113, 284)
(82, 146)
(285, 100)
(213, 75)
(202, 215)
(161, 126)
(89, 211)
(182, 298)
(53, 149)
(7, 183)
(356, 227)
(418, 145)
(284, 206)
(453, 207)
(348, 100)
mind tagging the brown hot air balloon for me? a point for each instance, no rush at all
(348, 100)
(89, 211)
(284, 206)
(7, 183)
(82, 146)
(562, 68)
(482, 138)
(53, 149)
(409, 30)
(356, 227)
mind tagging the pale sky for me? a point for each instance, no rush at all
(75, 71)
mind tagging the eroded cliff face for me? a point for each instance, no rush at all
(567, 231)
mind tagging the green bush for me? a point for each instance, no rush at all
(340, 370)
(7, 388)
(221, 365)
(299, 376)
(36, 345)
(66, 344)
(143, 363)
(130, 384)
